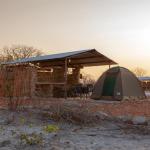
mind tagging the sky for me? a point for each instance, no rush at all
(120, 29)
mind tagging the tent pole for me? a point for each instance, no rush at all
(66, 70)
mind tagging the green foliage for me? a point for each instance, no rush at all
(13, 132)
(30, 125)
(31, 139)
(51, 128)
(1, 128)
(22, 120)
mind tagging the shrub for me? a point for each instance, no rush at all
(51, 128)
(31, 139)
(22, 120)
(78, 113)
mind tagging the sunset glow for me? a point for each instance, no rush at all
(120, 29)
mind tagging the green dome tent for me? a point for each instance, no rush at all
(118, 83)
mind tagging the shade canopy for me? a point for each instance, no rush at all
(89, 57)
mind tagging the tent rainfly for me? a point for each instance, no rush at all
(118, 83)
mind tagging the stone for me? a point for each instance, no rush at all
(6, 148)
(2, 121)
(55, 148)
(125, 118)
(7, 120)
(101, 115)
(5, 143)
(139, 120)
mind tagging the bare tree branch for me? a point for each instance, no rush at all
(88, 79)
(18, 52)
(139, 72)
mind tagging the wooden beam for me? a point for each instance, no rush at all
(51, 83)
(109, 66)
(90, 57)
(91, 62)
(66, 70)
(52, 63)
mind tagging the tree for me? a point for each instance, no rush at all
(139, 72)
(88, 79)
(14, 90)
(18, 52)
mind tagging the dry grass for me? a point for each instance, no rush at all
(73, 113)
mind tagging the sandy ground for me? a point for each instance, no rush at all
(105, 135)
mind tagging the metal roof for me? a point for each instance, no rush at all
(56, 57)
(144, 78)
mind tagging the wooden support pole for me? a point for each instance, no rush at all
(66, 78)
(33, 81)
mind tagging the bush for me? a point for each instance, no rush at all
(51, 128)
(78, 113)
(31, 139)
